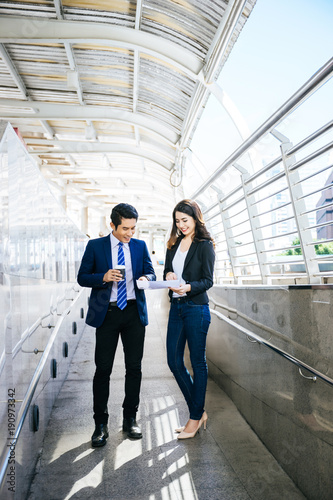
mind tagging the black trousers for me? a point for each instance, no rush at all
(127, 324)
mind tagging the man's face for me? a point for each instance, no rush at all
(125, 230)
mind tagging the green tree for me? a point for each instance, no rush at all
(320, 248)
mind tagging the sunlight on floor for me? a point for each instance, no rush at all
(83, 454)
(179, 464)
(92, 480)
(127, 451)
(185, 487)
(165, 427)
(163, 403)
(170, 493)
(64, 446)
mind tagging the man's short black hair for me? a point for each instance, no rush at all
(123, 211)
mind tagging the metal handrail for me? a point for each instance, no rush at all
(321, 242)
(323, 224)
(237, 213)
(29, 331)
(270, 195)
(312, 156)
(278, 236)
(327, 256)
(264, 184)
(276, 222)
(272, 209)
(263, 170)
(324, 73)
(33, 385)
(281, 352)
(308, 140)
(317, 172)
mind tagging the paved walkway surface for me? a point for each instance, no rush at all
(227, 461)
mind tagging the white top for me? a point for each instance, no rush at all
(128, 265)
(178, 268)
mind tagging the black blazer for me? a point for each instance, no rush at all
(198, 269)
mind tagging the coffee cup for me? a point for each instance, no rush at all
(122, 270)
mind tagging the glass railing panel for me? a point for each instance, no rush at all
(40, 248)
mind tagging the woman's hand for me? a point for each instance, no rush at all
(182, 289)
(171, 276)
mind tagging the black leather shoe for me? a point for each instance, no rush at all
(100, 435)
(131, 427)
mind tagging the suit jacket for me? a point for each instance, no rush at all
(96, 261)
(198, 269)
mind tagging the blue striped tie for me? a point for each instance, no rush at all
(121, 295)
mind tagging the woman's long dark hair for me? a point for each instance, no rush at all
(192, 209)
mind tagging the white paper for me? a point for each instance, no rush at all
(155, 285)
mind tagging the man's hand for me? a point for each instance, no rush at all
(143, 278)
(112, 275)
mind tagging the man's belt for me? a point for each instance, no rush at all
(114, 304)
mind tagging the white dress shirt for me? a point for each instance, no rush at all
(178, 267)
(128, 265)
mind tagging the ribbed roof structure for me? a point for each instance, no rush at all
(107, 94)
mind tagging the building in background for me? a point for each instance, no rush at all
(326, 214)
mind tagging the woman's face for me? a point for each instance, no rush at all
(185, 223)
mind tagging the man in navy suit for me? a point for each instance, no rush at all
(117, 307)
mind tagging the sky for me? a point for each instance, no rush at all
(281, 46)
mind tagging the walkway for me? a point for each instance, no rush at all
(227, 461)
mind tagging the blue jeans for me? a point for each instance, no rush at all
(189, 322)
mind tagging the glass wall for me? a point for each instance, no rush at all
(40, 251)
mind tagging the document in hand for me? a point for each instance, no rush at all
(155, 285)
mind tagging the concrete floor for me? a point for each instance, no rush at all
(227, 461)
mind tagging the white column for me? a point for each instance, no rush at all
(103, 230)
(84, 220)
(151, 241)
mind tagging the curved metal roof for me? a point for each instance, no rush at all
(107, 94)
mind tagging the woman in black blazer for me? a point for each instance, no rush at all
(190, 258)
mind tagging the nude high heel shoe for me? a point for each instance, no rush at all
(187, 435)
(204, 418)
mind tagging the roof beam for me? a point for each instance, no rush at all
(57, 111)
(78, 148)
(48, 130)
(222, 38)
(73, 66)
(138, 14)
(58, 9)
(214, 58)
(13, 71)
(193, 110)
(21, 85)
(136, 79)
(23, 30)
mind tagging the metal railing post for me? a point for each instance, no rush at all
(256, 232)
(228, 232)
(299, 208)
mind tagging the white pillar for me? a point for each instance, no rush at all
(63, 201)
(151, 241)
(103, 231)
(84, 220)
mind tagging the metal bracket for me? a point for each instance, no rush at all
(313, 378)
(251, 340)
